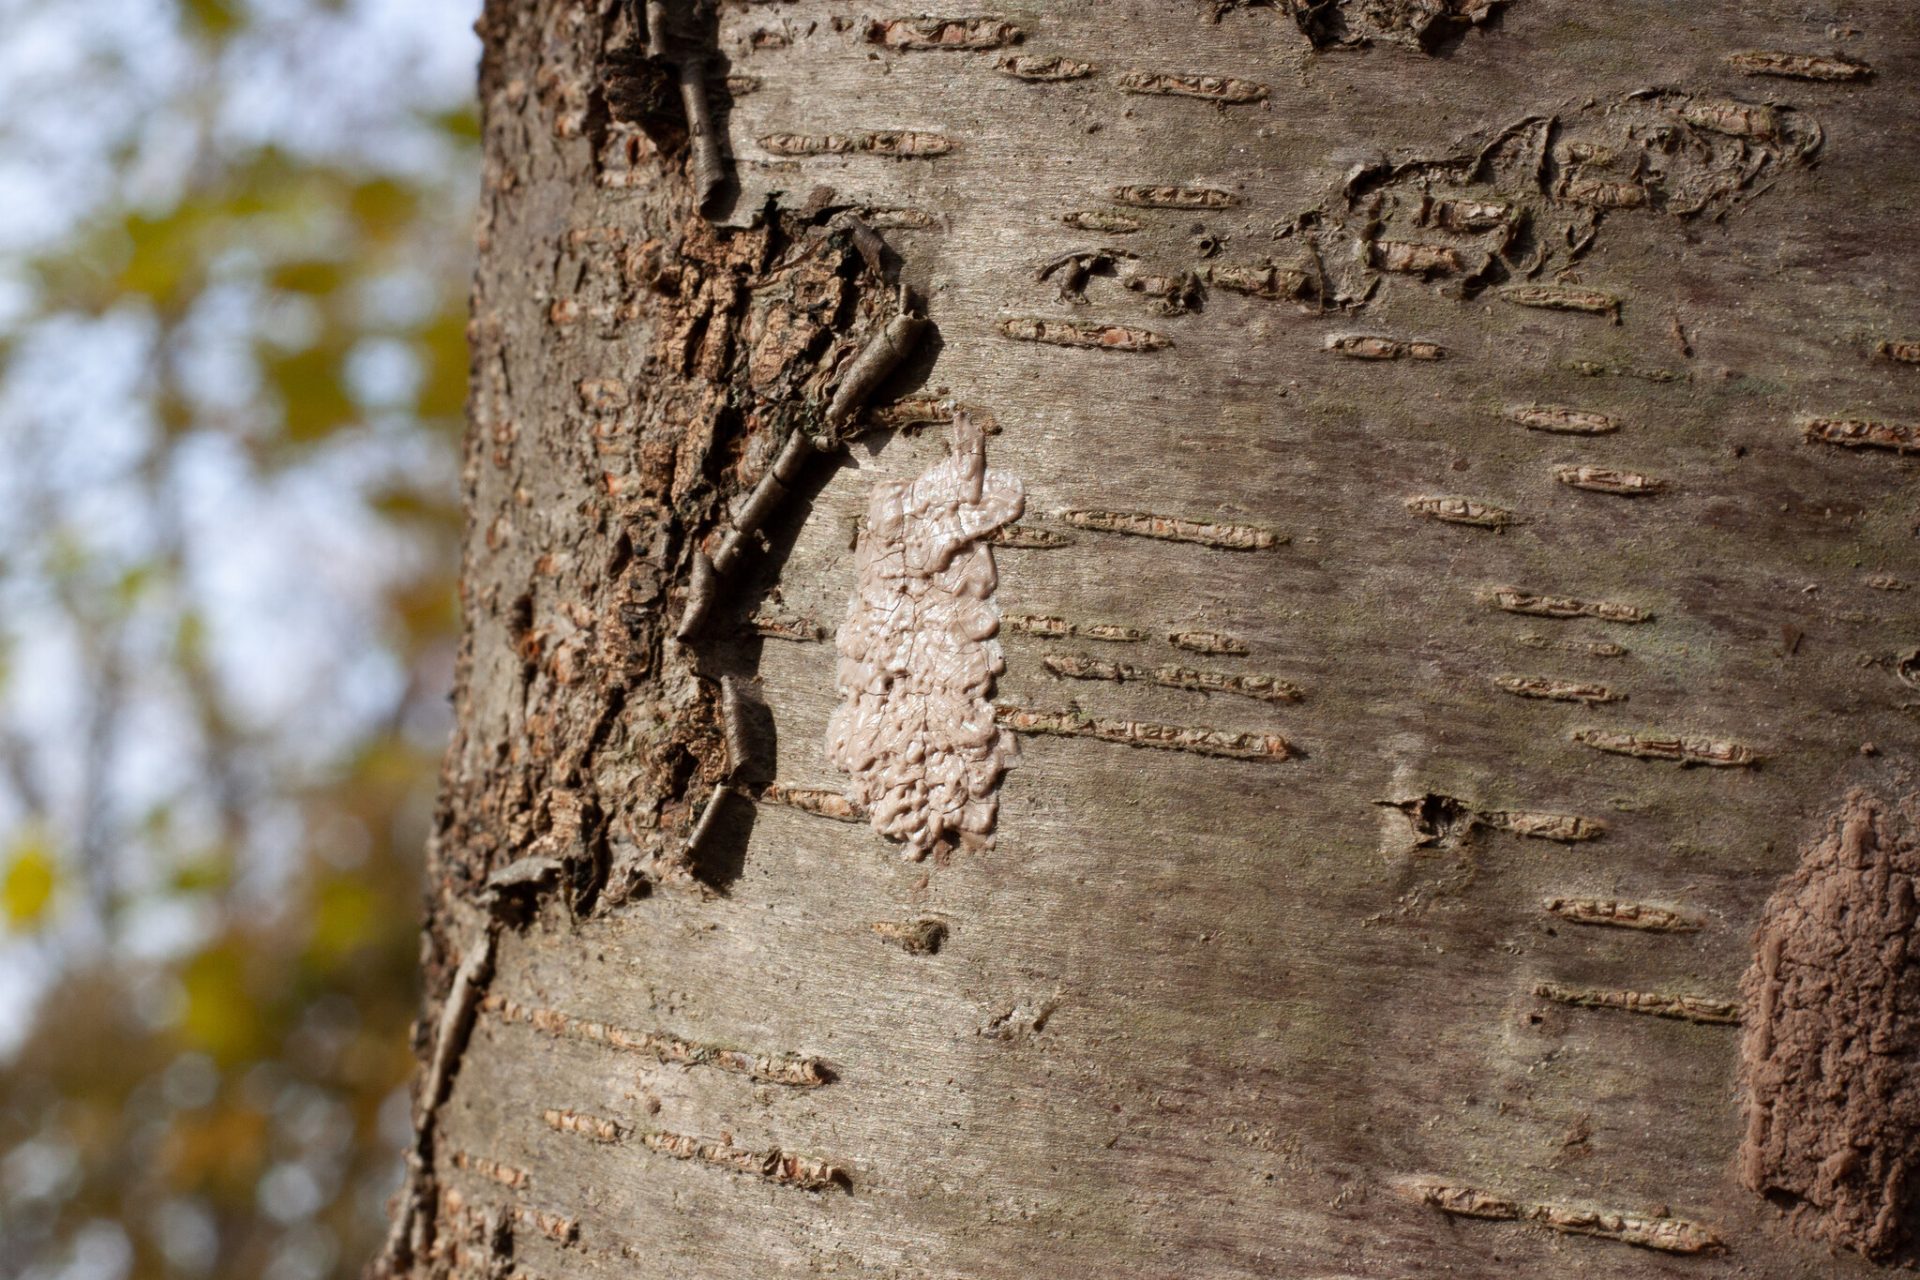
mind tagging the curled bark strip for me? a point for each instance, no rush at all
(412, 1220)
(639, 85)
(703, 585)
(709, 573)
(768, 496)
(703, 135)
(703, 830)
(870, 368)
(656, 28)
(733, 726)
(873, 250)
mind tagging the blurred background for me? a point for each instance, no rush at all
(234, 242)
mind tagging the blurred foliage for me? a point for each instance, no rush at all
(26, 889)
(212, 818)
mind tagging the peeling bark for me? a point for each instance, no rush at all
(1831, 1059)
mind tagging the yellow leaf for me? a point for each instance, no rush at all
(309, 275)
(383, 207)
(215, 17)
(222, 1017)
(164, 257)
(32, 876)
(312, 392)
(443, 350)
(463, 123)
(190, 639)
(345, 914)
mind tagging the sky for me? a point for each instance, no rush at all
(234, 243)
(118, 107)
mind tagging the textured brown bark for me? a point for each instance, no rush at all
(1831, 1054)
(1466, 556)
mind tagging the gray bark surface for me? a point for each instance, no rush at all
(1371, 1004)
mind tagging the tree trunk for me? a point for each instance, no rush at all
(1437, 470)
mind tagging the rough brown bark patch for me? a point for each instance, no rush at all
(1833, 1085)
